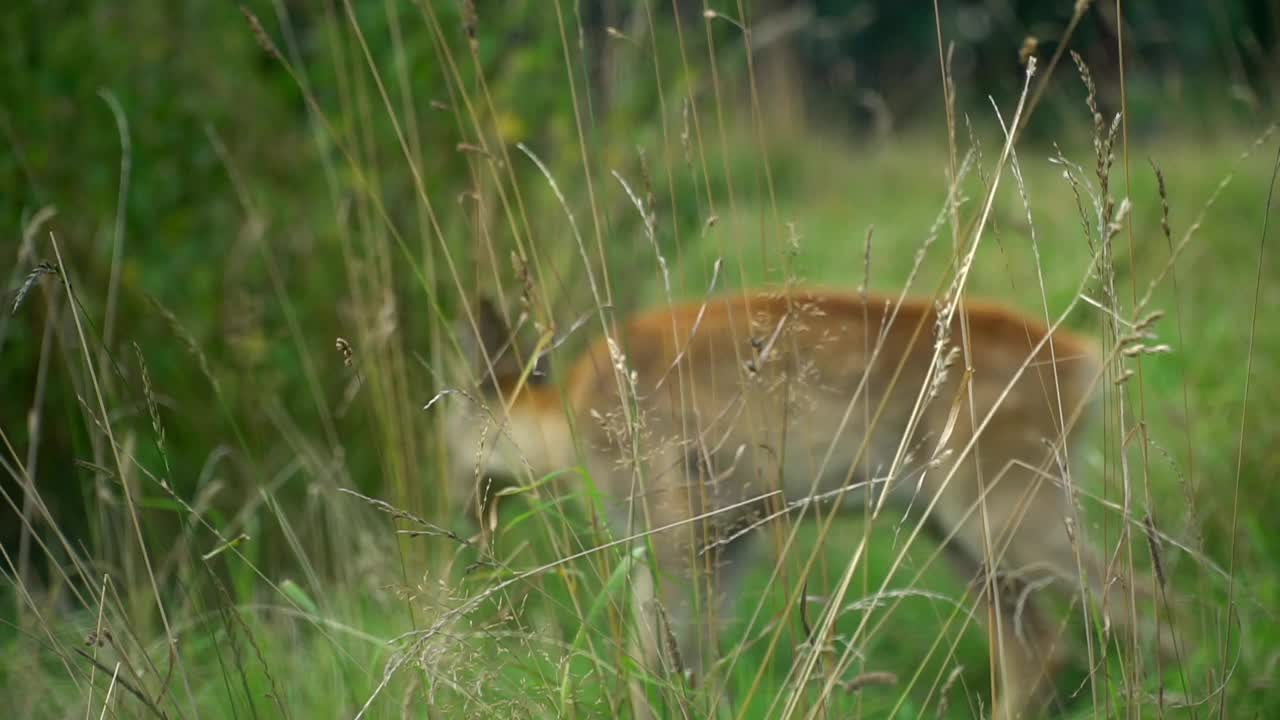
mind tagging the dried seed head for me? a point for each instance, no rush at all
(669, 639)
(37, 272)
(944, 695)
(879, 677)
(470, 19)
(1028, 50)
(348, 352)
(1153, 543)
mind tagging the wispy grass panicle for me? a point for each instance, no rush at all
(40, 270)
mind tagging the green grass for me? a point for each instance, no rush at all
(322, 648)
(235, 422)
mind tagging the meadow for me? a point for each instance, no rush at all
(243, 247)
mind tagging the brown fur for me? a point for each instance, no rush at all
(753, 405)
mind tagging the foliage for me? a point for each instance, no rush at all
(271, 221)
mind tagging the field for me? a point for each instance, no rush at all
(235, 306)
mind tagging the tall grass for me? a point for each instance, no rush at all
(314, 561)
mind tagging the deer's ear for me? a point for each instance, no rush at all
(487, 346)
(495, 334)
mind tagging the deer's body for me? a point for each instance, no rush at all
(692, 412)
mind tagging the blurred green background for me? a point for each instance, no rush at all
(232, 188)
